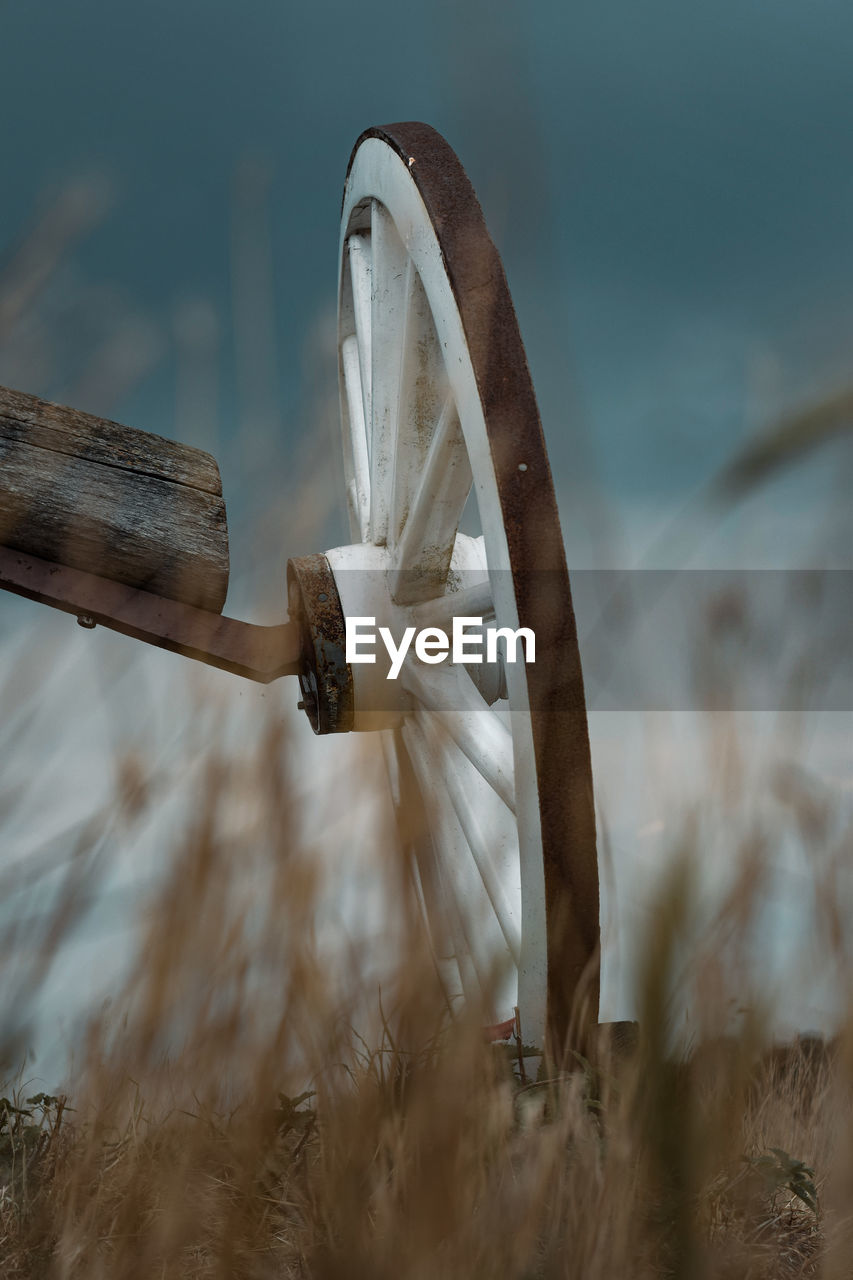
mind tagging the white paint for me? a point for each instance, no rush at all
(429, 460)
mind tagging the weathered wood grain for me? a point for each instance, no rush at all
(81, 435)
(113, 501)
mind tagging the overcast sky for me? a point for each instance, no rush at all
(669, 183)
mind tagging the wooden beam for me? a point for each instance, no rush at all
(111, 500)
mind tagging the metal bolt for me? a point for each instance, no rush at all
(87, 621)
(522, 466)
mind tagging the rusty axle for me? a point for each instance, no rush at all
(260, 653)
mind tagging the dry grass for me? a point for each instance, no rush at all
(231, 1121)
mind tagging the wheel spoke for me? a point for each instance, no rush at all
(474, 928)
(471, 602)
(486, 849)
(477, 730)
(392, 283)
(418, 850)
(360, 273)
(426, 420)
(425, 546)
(442, 909)
(358, 483)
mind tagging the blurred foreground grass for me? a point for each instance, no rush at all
(242, 1111)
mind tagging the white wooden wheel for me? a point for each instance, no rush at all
(489, 765)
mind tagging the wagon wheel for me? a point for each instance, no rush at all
(489, 764)
(493, 794)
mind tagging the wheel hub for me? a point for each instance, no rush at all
(325, 679)
(354, 582)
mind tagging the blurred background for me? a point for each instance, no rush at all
(670, 189)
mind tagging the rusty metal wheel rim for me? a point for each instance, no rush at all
(553, 750)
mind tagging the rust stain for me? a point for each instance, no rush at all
(325, 679)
